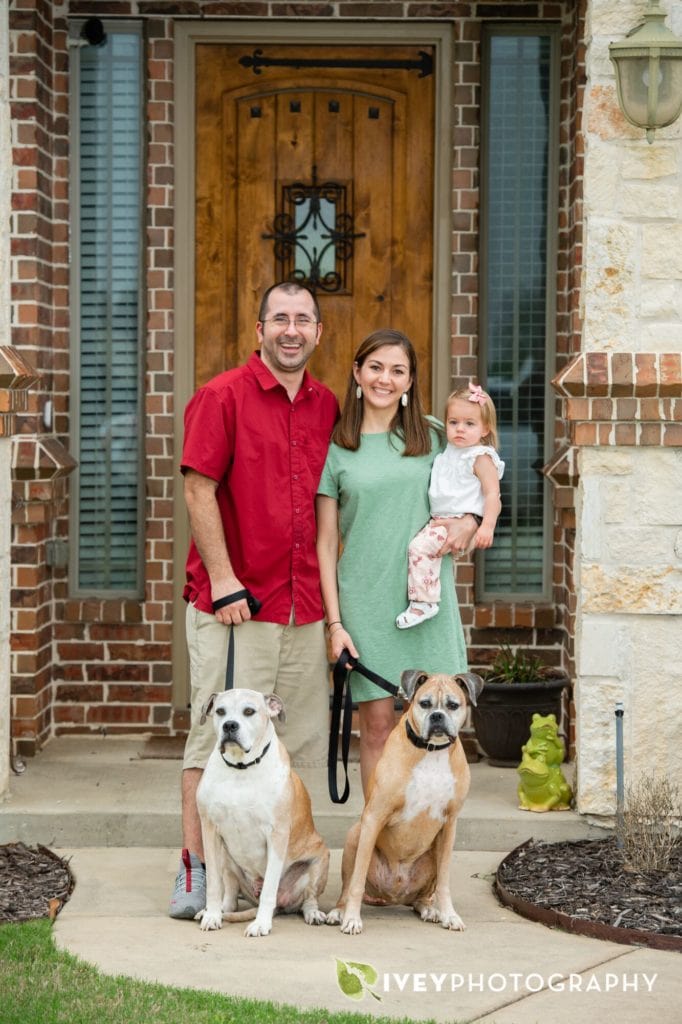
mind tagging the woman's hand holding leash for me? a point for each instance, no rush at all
(339, 639)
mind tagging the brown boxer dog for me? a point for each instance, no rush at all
(400, 850)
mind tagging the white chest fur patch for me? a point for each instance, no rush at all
(431, 787)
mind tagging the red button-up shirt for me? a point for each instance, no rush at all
(267, 454)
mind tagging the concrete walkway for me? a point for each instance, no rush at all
(117, 920)
(116, 817)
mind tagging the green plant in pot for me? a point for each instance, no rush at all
(517, 685)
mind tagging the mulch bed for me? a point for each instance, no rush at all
(34, 882)
(584, 887)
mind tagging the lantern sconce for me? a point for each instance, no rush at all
(648, 65)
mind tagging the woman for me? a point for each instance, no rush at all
(374, 495)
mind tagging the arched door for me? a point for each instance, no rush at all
(315, 161)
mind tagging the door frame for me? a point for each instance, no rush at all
(187, 36)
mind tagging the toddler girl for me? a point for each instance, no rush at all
(465, 478)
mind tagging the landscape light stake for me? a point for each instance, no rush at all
(620, 789)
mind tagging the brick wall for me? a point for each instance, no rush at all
(39, 258)
(83, 665)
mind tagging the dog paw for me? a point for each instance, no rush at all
(209, 920)
(351, 926)
(428, 913)
(314, 916)
(453, 922)
(334, 916)
(257, 928)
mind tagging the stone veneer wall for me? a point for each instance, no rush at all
(623, 403)
(84, 665)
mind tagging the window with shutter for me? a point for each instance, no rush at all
(518, 295)
(106, 269)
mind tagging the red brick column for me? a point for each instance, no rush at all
(16, 377)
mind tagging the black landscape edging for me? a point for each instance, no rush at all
(577, 925)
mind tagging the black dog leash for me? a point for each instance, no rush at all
(254, 607)
(345, 702)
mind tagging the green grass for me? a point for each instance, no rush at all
(40, 984)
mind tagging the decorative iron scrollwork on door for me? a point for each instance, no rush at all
(313, 235)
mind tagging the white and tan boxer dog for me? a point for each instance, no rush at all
(400, 850)
(259, 838)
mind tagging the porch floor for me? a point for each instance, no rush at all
(93, 791)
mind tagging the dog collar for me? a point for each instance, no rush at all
(245, 764)
(417, 741)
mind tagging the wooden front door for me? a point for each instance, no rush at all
(269, 136)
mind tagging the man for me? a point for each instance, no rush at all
(256, 438)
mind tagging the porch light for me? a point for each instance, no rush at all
(648, 65)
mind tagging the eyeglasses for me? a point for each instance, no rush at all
(300, 322)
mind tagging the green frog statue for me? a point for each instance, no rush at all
(542, 786)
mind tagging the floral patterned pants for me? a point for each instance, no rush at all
(423, 564)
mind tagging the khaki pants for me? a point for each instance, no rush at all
(290, 661)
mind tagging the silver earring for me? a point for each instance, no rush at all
(358, 392)
(404, 399)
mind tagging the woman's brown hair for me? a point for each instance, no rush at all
(409, 423)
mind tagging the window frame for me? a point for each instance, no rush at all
(552, 31)
(75, 43)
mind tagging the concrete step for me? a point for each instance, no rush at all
(92, 791)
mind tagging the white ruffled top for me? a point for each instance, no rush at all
(455, 489)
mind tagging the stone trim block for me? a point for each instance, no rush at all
(621, 374)
(16, 377)
(621, 398)
(562, 469)
(40, 458)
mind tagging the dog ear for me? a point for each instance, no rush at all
(275, 707)
(208, 708)
(472, 683)
(411, 679)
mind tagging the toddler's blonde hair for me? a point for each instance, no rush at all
(488, 413)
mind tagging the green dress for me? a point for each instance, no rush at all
(383, 503)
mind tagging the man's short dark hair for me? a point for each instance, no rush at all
(291, 288)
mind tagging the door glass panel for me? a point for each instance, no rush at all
(315, 246)
(313, 235)
(518, 274)
(107, 159)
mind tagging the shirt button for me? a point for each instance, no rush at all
(293, 443)
(295, 476)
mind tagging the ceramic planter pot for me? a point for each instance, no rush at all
(505, 710)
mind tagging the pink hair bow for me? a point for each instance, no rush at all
(477, 394)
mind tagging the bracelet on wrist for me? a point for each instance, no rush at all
(334, 622)
(332, 631)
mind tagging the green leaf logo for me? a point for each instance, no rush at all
(355, 979)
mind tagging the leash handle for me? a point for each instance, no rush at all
(339, 701)
(254, 604)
